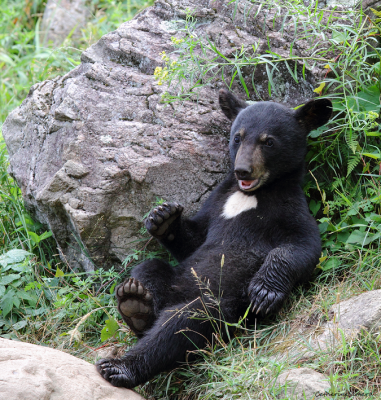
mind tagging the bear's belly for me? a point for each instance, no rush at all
(227, 268)
(240, 243)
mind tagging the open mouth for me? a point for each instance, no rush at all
(248, 185)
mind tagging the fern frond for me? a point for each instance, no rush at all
(350, 138)
(353, 161)
(375, 12)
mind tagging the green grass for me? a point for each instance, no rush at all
(42, 302)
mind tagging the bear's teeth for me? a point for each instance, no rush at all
(246, 185)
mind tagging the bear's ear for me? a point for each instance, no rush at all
(230, 105)
(313, 114)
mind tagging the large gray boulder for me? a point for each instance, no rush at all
(30, 372)
(92, 150)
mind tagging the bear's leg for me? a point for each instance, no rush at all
(141, 297)
(177, 331)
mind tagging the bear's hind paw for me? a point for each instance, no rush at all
(135, 305)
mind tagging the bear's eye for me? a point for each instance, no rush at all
(269, 143)
(237, 139)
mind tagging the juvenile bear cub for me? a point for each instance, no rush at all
(257, 218)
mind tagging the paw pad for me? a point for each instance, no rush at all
(135, 304)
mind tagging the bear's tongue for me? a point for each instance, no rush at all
(245, 185)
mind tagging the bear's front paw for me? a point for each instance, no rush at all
(263, 299)
(116, 372)
(161, 217)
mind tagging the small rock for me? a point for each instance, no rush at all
(375, 4)
(350, 316)
(110, 351)
(302, 384)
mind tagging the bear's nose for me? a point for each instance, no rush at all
(243, 173)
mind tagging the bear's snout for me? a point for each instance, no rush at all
(248, 161)
(243, 172)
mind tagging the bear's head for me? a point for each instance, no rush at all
(268, 140)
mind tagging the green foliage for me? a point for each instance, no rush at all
(76, 304)
(17, 228)
(17, 303)
(109, 330)
(85, 302)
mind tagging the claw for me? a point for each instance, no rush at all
(261, 295)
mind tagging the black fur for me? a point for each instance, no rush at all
(267, 250)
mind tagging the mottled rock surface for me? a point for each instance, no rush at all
(303, 384)
(92, 150)
(30, 372)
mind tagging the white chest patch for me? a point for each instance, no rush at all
(238, 202)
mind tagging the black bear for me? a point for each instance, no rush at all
(257, 219)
